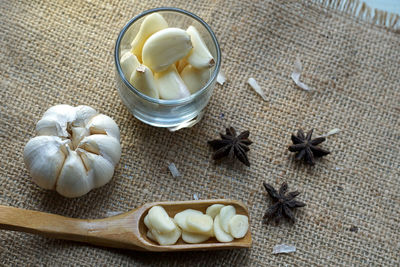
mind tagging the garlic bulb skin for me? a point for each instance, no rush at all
(44, 158)
(76, 150)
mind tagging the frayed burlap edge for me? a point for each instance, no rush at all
(362, 11)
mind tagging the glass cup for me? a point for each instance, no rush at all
(159, 112)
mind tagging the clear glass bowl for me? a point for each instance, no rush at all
(159, 112)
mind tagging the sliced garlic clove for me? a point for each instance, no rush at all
(238, 226)
(181, 217)
(193, 238)
(214, 210)
(150, 25)
(101, 168)
(169, 238)
(194, 78)
(44, 158)
(160, 221)
(225, 214)
(220, 234)
(142, 79)
(103, 145)
(150, 235)
(170, 85)
(74, 181)
(165, 47)
(200, 56)
(103, 124)
(129, 63)
(55, 121)
(146, 222)
(200, 224)
(181, 64)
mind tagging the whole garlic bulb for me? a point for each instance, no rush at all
(75, 151)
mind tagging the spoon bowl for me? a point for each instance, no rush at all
(125, 230)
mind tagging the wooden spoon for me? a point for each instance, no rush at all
(125, 231)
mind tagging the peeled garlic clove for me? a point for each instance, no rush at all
(146, 222)
(220, 234)
(150, 235)
(238, 226)
(73, 181)
(194, 78)
(193, 238)
(99, 167)
(142, 79)
(160, 221)
(150, 25)
(226, 213)
(44, 158)
(200, 56)
(169, 238)
(181, 217)
(181, 64)
(55, 121)
(170, 84)
(165, 47)
(129, 63)
(103, 124)
(213, 210)
(200, 224)
(104, 145)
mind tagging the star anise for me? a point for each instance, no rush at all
(232, 146)
(283, 203)
(306, 148)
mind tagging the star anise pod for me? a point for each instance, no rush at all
(283, 203)
(306, 148)
(232, 146)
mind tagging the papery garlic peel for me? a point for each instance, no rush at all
(75, 151)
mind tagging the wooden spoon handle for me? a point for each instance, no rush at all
(117, 231)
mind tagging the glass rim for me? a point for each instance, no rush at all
(163, 101)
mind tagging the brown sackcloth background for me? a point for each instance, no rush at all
(62, 52)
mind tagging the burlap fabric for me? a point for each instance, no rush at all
(62, 52)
